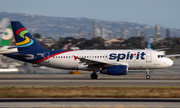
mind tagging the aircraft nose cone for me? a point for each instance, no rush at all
(170, 62)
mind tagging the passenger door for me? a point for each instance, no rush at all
(148, 57)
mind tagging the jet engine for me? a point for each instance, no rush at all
(115, 70)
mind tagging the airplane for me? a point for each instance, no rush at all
(65, 47)
(6, 41)
(149, 48)
(110, 62)
(3, 25)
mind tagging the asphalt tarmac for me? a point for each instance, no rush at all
(86, 103)
(89, 83)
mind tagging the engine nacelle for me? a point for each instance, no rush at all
(116, 70)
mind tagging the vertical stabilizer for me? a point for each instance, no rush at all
(7, 37)
(65, 47)
(24, 40)
(3, 25)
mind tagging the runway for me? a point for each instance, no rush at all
(89, 83)
(84, 102)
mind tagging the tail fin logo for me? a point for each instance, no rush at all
(27, 42)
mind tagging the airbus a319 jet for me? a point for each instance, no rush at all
(110, 62)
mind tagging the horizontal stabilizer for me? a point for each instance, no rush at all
(21, 55)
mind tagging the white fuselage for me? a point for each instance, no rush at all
(134, 59)
(8, 49)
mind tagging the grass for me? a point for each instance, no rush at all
(89, 92)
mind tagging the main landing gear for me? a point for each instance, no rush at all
(94, 75)
(147, 74)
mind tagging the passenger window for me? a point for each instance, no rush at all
(162, 56)
(159, 56)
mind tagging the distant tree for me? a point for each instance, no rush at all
(37, 35)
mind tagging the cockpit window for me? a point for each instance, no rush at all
(161, 56)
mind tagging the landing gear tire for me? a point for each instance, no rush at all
(148, 76)
(94, 76)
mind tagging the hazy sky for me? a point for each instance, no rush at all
(151, 12)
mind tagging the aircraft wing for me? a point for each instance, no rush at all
(96, 62)
(173, 55)
(160, 49)
(91, 62)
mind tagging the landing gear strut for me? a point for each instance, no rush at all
(147, 74)
(94, 75)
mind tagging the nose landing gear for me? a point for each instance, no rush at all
(147, 74)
